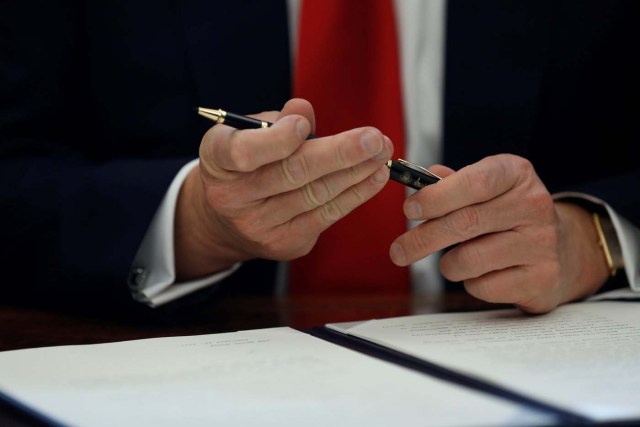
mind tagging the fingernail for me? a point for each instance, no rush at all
(380, 176)
(387, 150)
(413, 210)
(371, 143)
(397, 254)
(301, 128)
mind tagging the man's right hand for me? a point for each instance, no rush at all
(269, 193)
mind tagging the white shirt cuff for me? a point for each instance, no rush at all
(154, 266)
(628, 236)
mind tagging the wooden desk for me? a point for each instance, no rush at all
(27, 327)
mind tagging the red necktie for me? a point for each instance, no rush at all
(347, 67)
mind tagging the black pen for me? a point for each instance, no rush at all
(410, 174)
(400, 170)
(237, 121)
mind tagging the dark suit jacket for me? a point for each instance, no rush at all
(97, 115)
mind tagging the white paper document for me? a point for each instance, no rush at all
(267, 377)
(582, 357)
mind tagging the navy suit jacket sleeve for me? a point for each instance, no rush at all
(97, 117)
(553, 81)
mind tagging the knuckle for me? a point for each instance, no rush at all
(330, 212)
(489, 293)
(536, 307)
(524, 170)
(283, 145)
(354, 173)
(483, 289)
(207, 160)
(240, 157)
(204, 150)
(298, 249)
(480, 182)
(542, 202)
(358, 196)
(295, 169)
(418, 242)
(247, 227)
(450, 274)
(341, 206)
(467, 256)
(316, 193)
(341, 156)
(276, 244)
(523, 166)
(465, 221)
(447, 268)
(306, 247)
(539, 302)
(273, 247)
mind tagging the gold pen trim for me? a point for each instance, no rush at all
(217, 116)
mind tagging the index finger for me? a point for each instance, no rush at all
(476, 183)
(228, 149)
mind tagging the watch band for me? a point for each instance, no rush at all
(609, 243)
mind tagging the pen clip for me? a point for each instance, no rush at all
(418, 168)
